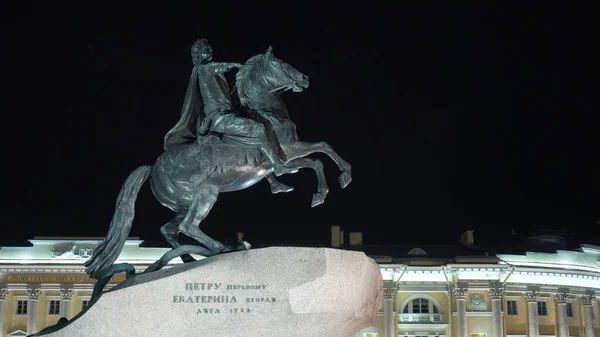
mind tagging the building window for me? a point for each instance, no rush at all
(85, 304)
(542, 309)
(21, 307)
(54, 307)
(512, 309)
(570, 312)
(420, 309)
(420, 306)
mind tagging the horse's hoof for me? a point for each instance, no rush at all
(281, 188)
(345, 179)
(243, 245)
(317, 199)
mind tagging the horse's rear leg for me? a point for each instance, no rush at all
(203, 201)
(170, 230)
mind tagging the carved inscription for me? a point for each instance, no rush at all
(219, 298)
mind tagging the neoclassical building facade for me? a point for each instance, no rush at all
(530, 294)
(45, 281)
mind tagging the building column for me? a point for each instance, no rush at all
(561, 310)
(3, 294)
(32, 308)
(461, 307)
(450, 317)
(496, 296)
(65, 304)
(532, 312)
(588, 314)
(389, 294)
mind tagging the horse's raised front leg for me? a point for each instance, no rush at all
(300, 149)
(287, 139)
(315, 164)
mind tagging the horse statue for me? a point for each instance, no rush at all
(188, 177)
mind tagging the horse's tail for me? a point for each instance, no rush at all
(109, 250)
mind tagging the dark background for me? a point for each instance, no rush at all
(454, 117)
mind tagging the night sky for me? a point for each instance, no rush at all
(453, 117)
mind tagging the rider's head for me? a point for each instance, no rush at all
(201, 52)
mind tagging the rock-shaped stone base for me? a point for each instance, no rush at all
(268, 292)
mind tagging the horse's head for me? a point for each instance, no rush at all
(265, 74)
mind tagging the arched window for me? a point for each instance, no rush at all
(421, 308)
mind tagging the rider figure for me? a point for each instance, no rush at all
(212, 85)
(218, 109)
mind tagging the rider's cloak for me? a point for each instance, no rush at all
(191, 111)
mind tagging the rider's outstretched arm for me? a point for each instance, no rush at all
(221, 67)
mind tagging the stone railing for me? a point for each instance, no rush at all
(420, 318)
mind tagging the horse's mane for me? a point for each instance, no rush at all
(242, 74)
